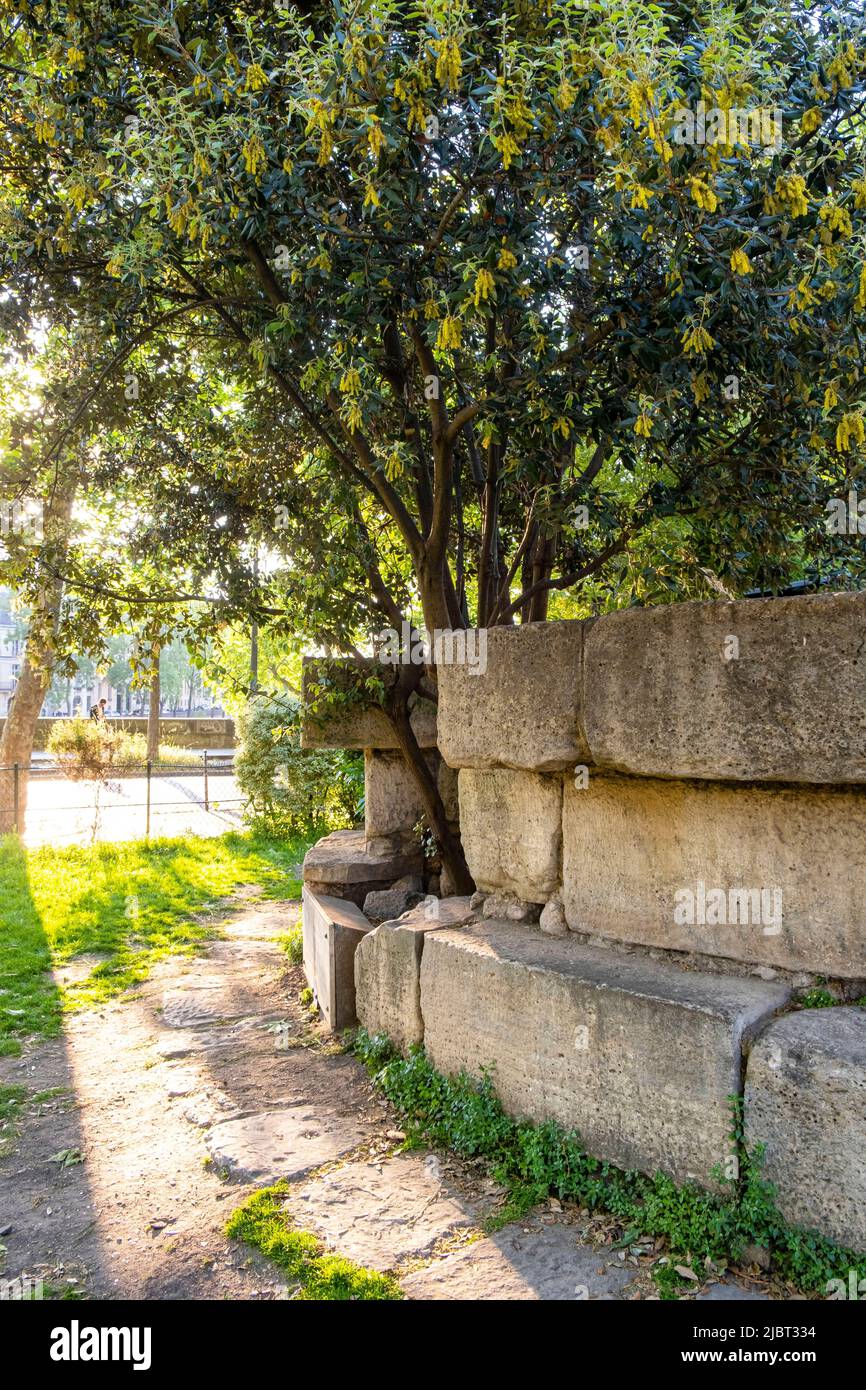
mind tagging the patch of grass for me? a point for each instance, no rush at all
(263, 1222)
(293, 945)
(133, 901)
(12, 1099)
(51, 1094)
(531, 1161)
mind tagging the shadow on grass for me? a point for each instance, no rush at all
(125, 905)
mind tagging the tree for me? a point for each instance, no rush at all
(502, 299)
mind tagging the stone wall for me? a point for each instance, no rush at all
(663, 811)
(182, 733)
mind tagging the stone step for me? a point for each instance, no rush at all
(805, 1100)
(332, 929)
(345, 864)
(640, 1057)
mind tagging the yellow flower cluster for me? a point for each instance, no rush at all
(837, 220)
(697, 340)
(74, 58)
(643, 425)
(449, 63)
(850, 429)
(831, 399)
(507, 259)
(450, 333)
(789, 196)
(256, 78)
(860, 301)
(322, 121)
(484, 287)
(254, 155)
(702, 194)
(811, 120)
(740, 263)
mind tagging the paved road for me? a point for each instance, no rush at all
(61, 812)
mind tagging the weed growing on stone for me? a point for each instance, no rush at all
(263, 1222)
(532, 1161)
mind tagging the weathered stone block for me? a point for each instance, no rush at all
(640, 1057)
(524, 710)
(392, 801)
(635, 848)
(333, 930)
(806, 1101)
(387, 966)
(354, 725)
(757, 690)
(345, 865)
(388, 903)
(511, 826)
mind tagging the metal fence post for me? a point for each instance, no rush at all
(147, 831)
(206, 796)
(16, 795)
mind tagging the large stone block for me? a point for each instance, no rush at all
(392, 801)
(511, 826)
(388, 965)
(524, 710)
(757, 690)
(806, 1102)
(354, 724)
(333, 930)
(638, 1056)
(344, 865)
(635, 848)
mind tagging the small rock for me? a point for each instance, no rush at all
(757, 1255)
(552, 920)
(506, 907)
(765, 972)
(476, 902)
(383, 904)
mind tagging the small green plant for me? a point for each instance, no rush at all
(531, 1161)
(263, 1222)
(817, 999)
(293, 945)
(306, 997)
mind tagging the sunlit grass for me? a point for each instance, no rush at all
(133, 902)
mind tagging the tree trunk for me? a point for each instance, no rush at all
(153, 713)
(449, 844)
(16, 741)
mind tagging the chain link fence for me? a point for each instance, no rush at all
(198, 795)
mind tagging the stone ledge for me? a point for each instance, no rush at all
(355, 725)
(511, 828)
(639, 1057)
(805, 1101)
(345, 864)
(333, 929)
(673, 836)
(661, 700)
(524, 710)
(387, 970)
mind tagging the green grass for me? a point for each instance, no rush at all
(293, 944)
(264, 1223)
(134, 901)
(531, 1161)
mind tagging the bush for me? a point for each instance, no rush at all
(90, 749)
(291, 791)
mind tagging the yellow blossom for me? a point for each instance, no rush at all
(697, 340)
(450, 333)
(254, 155)
(507, 259)
(643, 425)
(702, 194)
(850, 428)
(740, 263)
(484, 286)
(448, 62)
(256, 78)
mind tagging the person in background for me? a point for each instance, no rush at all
(97, 712)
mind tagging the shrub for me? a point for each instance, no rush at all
(288, 790)
(90, 749)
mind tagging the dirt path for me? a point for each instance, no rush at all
(210, 1081)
